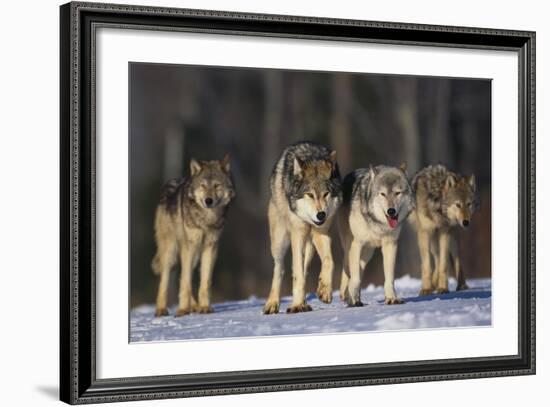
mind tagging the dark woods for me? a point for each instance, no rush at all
(179, 112)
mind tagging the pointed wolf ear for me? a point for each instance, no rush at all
(333, 157)
(450, 181)
(298, 166)
(472, 182)
(403, 167)
(225, 164)
(372, 171)
(195, 166)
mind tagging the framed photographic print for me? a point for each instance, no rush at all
(257, 203)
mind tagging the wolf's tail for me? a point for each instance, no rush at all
(155, 265)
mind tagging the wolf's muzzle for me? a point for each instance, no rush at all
(321, 217)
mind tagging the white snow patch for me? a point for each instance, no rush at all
(245, 318)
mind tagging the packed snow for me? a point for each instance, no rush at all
(467, 308)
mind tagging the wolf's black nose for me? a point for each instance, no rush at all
(208, 201)
(465, 222)
(392, 211)
(321, 215)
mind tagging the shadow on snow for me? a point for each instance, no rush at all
(464, 295)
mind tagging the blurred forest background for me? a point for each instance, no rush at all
(178, 112)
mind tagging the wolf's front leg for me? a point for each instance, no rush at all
(456, 266)
(188, 253)
(298, 238)
(323, 245)
(164, 260)
(366, 254)
(279, 245)
(442, 282)
(354, 264)
(389, 252)
(344, 281)
(308, 256)
(424, 248)
(345, 240)
(208, 259)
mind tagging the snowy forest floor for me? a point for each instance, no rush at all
(471, 307)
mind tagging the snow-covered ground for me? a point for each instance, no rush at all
(245, 318)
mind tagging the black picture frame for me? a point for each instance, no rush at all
(78, 382)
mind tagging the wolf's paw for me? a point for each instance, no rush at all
(442, 291)
(161, 312)
(425, 291)
(183, 311)
(393, 301)
(324, 292)
(357, 303)
(204, 309)
(271, 307)
(293, 309)
(462, 286)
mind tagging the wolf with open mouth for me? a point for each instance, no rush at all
(376, 202)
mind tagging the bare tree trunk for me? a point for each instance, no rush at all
(273, 114)
(173, 152)
(440, 145)
(406, 113)
(298, 95)
(406, 94)
(468, 136)
(270, 150)
(340, 133)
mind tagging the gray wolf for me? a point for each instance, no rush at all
(376, 203)
(445, 202)
(305, 195)
(188, 222)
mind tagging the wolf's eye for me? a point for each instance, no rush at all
(309, 195)
(326, 194)
(203, 185)
(217, 186)
(383, 194)
(397, 193)
(458, 205)
(469, 204)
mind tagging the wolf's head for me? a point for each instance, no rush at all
(316, 191)
(389, 195)
(211, 184)
(459, 200)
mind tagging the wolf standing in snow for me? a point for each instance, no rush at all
(189, 221)
(376, 202)
(445, 201)
(305, 194)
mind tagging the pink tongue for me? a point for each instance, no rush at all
(392, 222)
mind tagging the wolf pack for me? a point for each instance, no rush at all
(308, 195)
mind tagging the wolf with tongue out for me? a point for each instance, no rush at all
(377, 200)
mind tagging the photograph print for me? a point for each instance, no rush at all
(268, 202)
